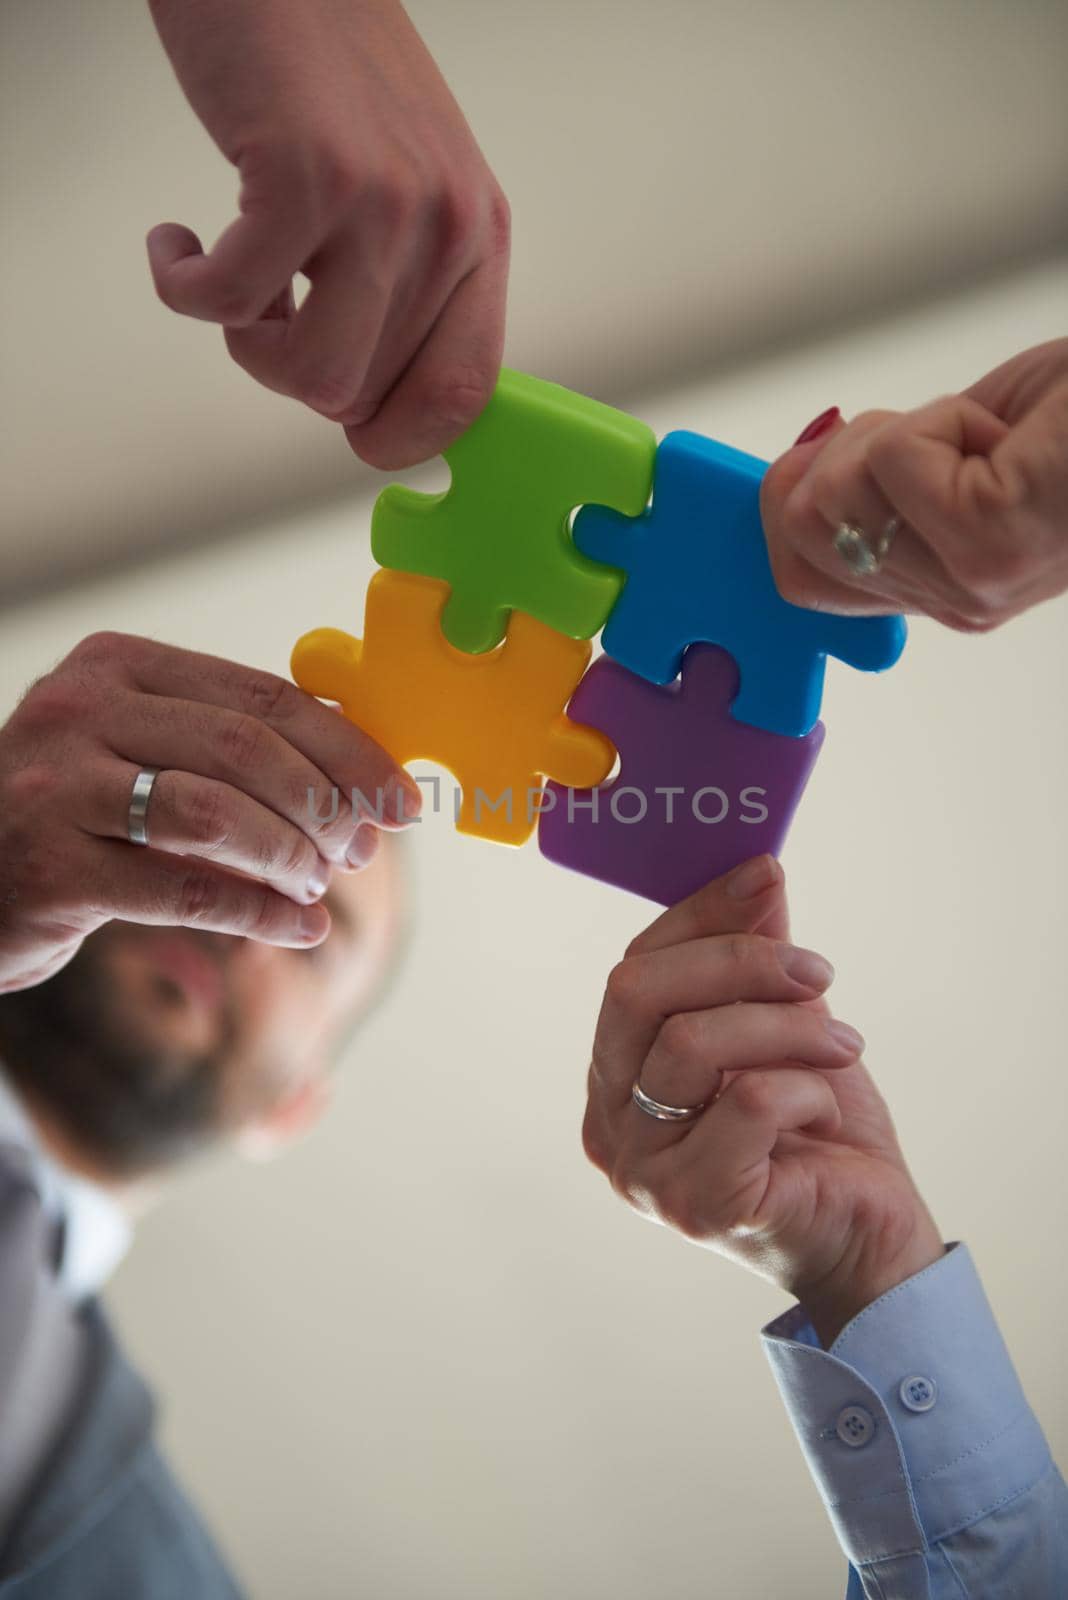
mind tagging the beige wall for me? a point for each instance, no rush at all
(689, 179)
(407, 1361)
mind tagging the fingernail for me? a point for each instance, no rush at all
(818, 426)
(752, 878)
(314, 922)
(404, 802)
(845, 1036)
(364, 844)
(318, 881)
(805, 966)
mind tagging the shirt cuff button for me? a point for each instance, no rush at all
(855, 1426)
(918, 1393)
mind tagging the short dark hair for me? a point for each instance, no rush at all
(129, 1105)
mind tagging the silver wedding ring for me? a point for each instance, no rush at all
(857, 551)
(136, 819)
(663, 1113)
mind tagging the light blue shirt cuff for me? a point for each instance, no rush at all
(913, 1423)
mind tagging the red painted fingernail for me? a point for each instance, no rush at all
(818, 426)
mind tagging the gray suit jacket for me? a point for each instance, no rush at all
(89, 1508)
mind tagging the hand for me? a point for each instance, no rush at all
(979, 481)
(793, 1169)
(358, 170)
(240, 821)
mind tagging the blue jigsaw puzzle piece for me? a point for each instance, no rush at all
(697, 571)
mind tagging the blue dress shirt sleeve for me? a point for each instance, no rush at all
(933, 1468)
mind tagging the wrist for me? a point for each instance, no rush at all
(868, 1270)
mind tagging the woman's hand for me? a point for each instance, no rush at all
(357, 170)
(793, 1167)
(978, 481)
(242, 823)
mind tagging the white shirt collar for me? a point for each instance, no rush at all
(96, 1230)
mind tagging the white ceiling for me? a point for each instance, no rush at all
(691, 182)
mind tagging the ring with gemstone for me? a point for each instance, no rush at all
(856, 548)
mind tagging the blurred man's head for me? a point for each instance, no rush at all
(153, 1042)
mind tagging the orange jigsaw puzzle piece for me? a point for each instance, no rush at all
(496, 720)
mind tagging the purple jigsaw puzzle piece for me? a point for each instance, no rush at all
(697, 792)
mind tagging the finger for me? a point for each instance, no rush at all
(798, 580)
(694, 1051)
(922, 462)
(996, 498)
(597, 1141)
(251, 264)
(1033, 458)
(450, 380)
(439, 260)
(409, 321)
(282, 308)
(910, 576)
(750, 898)
(235, 749)
(321, 355)
(1014, 388)
(135, 884)
(407, 281)
(1031, 467)
(645, 991)
(840, 488)
(197, 816)
(1004, 521)
(727, 1159)
(808, 494)
(350, 759)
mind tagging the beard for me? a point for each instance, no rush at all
(131, 1103)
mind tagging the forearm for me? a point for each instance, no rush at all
(241, 62)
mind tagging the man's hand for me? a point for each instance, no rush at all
(357, 170)
(794, 1168)
(241, 824)
(978, 482)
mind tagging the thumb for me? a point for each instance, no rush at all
(169, 245)
(793, 575)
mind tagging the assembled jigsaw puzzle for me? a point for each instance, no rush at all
(475, 646)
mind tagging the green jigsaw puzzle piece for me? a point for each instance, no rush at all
(500, 534)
